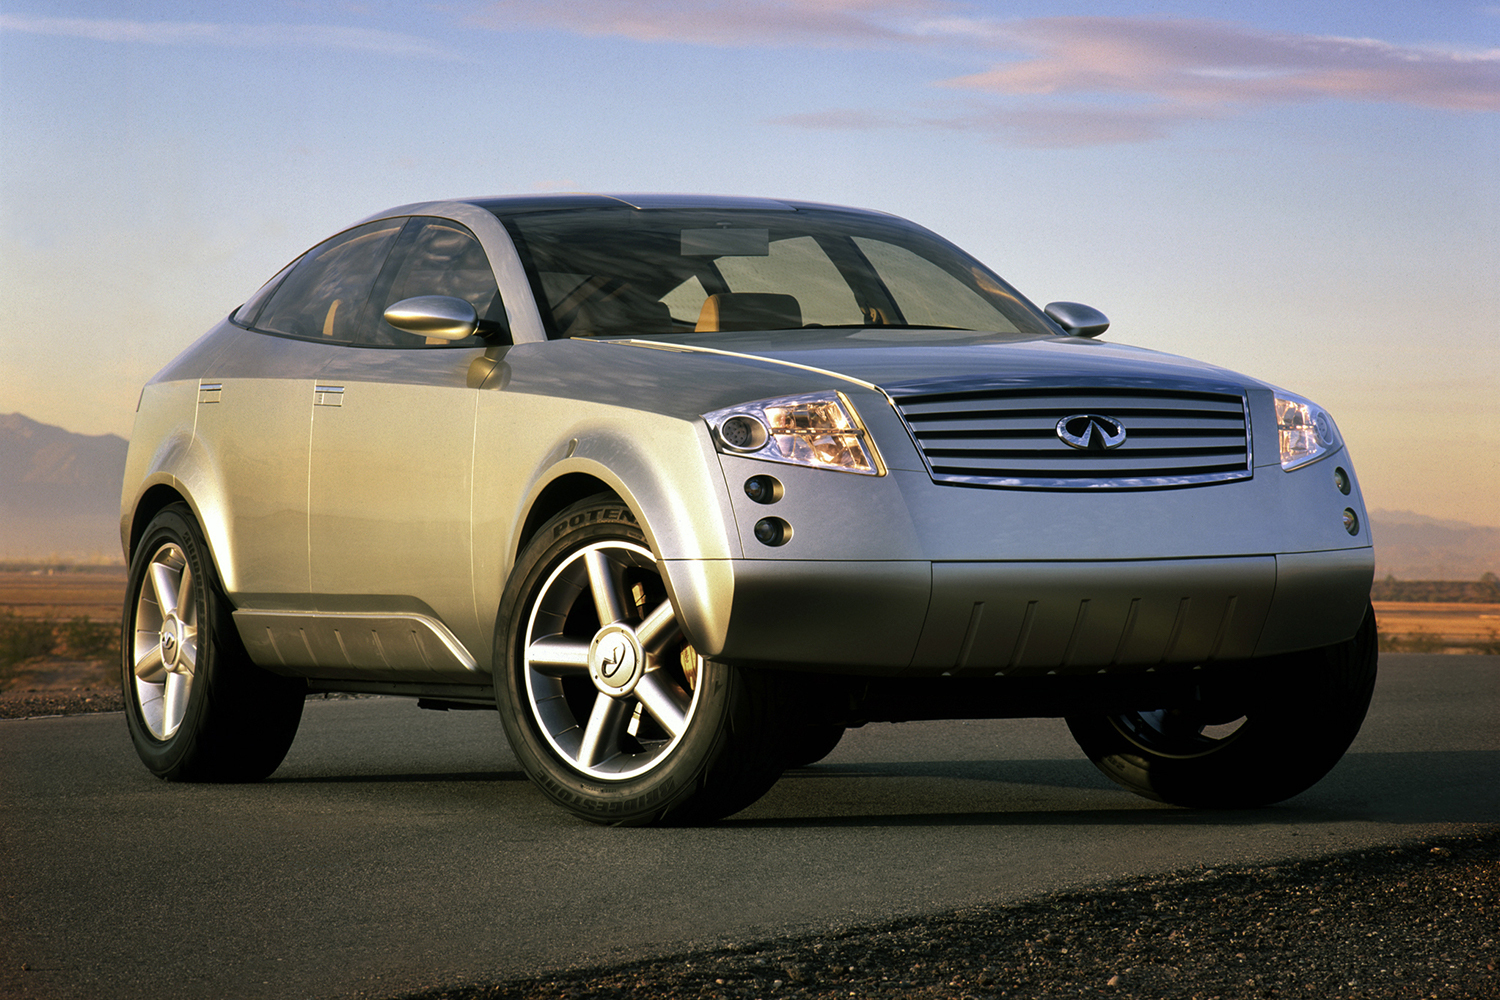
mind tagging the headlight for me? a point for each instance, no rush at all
(1305, 430)
(820, 430)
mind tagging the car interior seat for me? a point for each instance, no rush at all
(749, 311)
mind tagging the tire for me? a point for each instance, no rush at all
(1250, 749)
(197, 708)
(610, 711)
(806, 745)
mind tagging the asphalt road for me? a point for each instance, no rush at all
(397, 848)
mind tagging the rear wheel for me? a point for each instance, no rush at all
(197, 708)
(609, 709)
(1246, 750)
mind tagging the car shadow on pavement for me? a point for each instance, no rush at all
(1454, 786)
(1409, 787)
(417, 777)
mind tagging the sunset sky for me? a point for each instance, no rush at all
(1309, 193)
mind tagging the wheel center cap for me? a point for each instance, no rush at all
(615, 660)
(171, 641)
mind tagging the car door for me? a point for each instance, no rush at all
(391, 473)
(256, 402)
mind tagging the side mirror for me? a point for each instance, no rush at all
(1078, 320)
(440, 316)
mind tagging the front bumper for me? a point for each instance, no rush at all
(1019, 619)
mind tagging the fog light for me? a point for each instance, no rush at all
(1351, 522)
(1341, 480)
(772, 531)
(743, 432)
(763, 489)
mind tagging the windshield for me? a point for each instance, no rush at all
(604, 272)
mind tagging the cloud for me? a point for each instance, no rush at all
(1076, 126)
(1197, 64)
(1054, 81)
(233, 35)
(1050, 126)
(727, 23)
(1059, 81)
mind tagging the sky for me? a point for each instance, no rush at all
(1307, 193)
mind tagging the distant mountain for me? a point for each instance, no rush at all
(1416, 547)
(59, 492)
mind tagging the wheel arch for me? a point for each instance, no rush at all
(557, 495)
(657, 503)
(151, 502)
(156, 498)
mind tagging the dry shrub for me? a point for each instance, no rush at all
(24, 638)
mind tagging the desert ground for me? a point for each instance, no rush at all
(1455, 627)
(64, 592)
(73, 666)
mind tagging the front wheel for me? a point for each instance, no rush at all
(197, 708)
(1247, 750)
(609, 709)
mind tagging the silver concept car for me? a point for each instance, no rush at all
(687, 486)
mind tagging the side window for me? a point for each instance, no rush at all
(325, 294)
(245, 314)
(439, 258)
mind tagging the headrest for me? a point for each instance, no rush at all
(749, 311)
(614, 316)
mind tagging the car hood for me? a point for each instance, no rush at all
(904, 360)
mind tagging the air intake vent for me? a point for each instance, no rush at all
(1046, 434)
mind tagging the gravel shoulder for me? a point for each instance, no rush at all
(1420, 919)
(32, 704)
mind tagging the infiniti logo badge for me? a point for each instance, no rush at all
(1091, 432)
(614, 652)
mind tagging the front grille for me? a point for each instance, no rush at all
(1004, 432)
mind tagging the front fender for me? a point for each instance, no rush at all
(664, 468)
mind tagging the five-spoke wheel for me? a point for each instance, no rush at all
(165, 646)
(197, 708)
(606, 703)
(609, 679)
